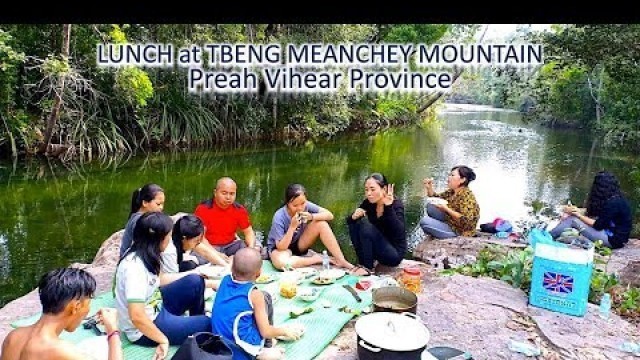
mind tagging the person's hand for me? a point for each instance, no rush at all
(292, 333)
(305, 216)
(109, 318)
(162, 350)
(571, 209)
(358, 213)
(427, 184)
(388, 197)
(296, 220)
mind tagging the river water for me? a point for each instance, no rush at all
(54, 215)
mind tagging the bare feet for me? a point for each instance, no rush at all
(340, 263)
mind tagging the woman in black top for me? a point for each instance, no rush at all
(608, 216)
(377, 227)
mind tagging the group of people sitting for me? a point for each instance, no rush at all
(160, 253)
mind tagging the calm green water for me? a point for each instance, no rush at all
(54, 216)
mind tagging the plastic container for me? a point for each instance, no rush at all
(289, 284)
(326, 265)
(411, 279)
(561, 278)
(605, 306)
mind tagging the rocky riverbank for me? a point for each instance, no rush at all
(479, 315)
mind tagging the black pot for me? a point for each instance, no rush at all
(390, 336)
(395, 299)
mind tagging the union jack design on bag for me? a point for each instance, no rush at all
(558, 283)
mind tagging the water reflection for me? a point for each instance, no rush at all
(55, 215)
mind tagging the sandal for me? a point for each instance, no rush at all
(360, 270)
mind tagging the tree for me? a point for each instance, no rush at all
(58, 89)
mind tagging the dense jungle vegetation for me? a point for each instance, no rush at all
(55, 100)
(590, 80)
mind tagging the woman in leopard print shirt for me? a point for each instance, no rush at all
(460, 215)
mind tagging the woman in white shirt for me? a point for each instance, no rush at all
(138, 278)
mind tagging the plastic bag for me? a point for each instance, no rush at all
(539, 236)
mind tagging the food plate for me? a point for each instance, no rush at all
(332, 273)
(293, 276)
(265, 279)
(307, 272)
(323, 280)
(213, 271)
(437, 201)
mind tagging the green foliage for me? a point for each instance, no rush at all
(10, 60)
(394, 106)
(569, 96)
(630, 303)
(511, 266)
(601, 282)
(134, 85)
(117, 35)
(55, 66)
(415, 33)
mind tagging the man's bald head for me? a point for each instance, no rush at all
(225, 181)
(224, 194)
(247, 263)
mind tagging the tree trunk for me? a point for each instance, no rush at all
(14, 150)
(438, 95)
(456, 75)
(57, 101)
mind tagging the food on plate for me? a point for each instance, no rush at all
(332, 273)
(323, 280)
(265, 278)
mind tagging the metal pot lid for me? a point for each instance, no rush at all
(392, 331)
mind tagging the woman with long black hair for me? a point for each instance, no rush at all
(139, 276)
(147, 198)
(377, 226)
(607, 217)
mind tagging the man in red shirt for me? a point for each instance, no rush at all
(223, 217)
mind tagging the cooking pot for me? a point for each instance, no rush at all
(394, 299)
(390, 336)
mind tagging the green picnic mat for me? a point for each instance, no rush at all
(322, 324)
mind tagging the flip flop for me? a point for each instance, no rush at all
(446, 353)
(354, 270)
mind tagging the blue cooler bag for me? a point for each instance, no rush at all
(561, 278)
